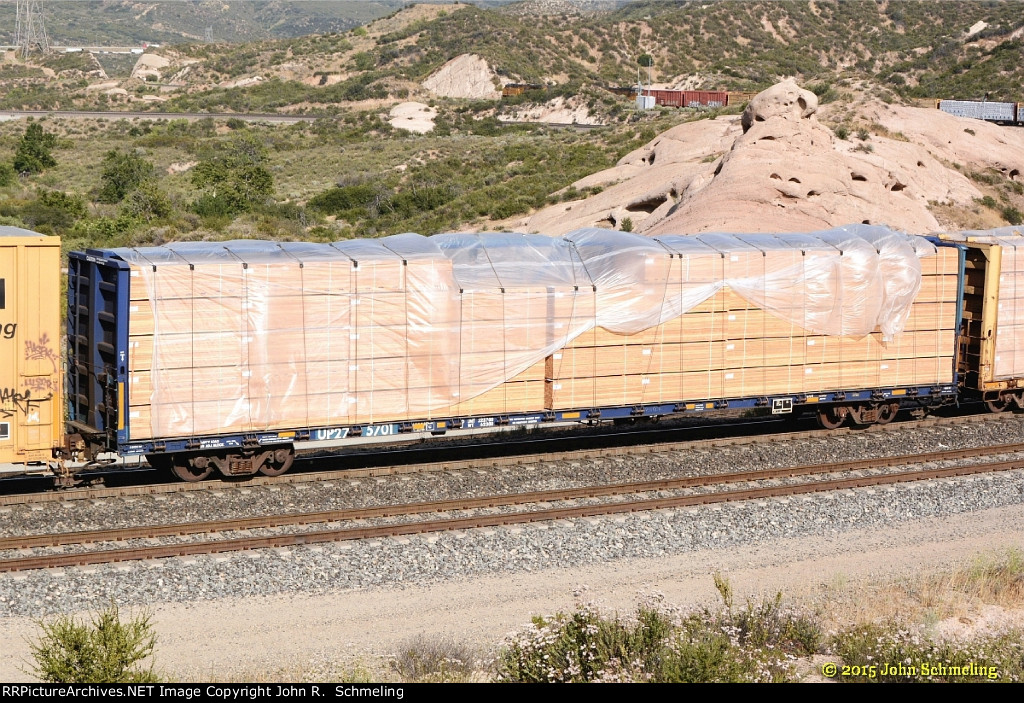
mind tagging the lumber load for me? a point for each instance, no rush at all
(995, 306)
(246, 336)
(728, 346)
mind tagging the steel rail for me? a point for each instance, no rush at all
(517, 517)
(519, 459)
(498, 500)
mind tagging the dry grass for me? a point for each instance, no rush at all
(955, 217)
(883, 131)
(995, 579)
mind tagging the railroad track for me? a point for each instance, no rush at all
(695, 490)
(503, 454)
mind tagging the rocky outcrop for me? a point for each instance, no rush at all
(777, 168)
(785, 100)
(150, 66)
(413, 117)
(465, 76)
(557, 111)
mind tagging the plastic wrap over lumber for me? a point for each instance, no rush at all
(727, 346)
(244, 336)
(522, 297)
(846, 281)
(248, 335)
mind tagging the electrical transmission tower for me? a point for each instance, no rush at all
(29, 32)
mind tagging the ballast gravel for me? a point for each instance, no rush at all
(439, 556)
(443, 560)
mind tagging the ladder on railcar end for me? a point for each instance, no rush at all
(96, 339)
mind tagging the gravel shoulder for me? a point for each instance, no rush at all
(300, 635)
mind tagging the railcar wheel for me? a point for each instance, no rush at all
(187, 472)
(1016, 402)
(997, 405)
(278, 462)
(887, 413)
(191, 469)
(830, 418)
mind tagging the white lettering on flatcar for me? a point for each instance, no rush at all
(380, 430)
(330, 434)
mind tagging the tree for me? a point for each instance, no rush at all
(7, 175)
(108, 651)
(33, 152)
(123, 172)
(235, 176)
(147, 202)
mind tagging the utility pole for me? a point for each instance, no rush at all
(643, 102)
(29, 31)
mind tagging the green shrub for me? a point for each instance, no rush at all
(107, 651)
(842, 131)
(825, 92)
(123, 172)
(702, 655)
(340, 199)
(986, 178)
(235, 175)
(1012, 215)
(420, 198)
(33, 151)
(768, 624)
(504, 208)
(585, 646)
(8, 176)
(756, 642)
(105, 229)
(71, 203)
(52, 210)
(147, 202)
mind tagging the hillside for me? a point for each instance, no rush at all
(413, 135)
(129, 23)
(911, 50)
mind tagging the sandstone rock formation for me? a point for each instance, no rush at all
(413, 116)
(777, 168)
(785, 100)
(150, 66)
(465, 76)
(557, 111)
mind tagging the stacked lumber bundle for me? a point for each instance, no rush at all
(1009, 352)
(247, 336)
(621, 359)
(782, 325)
(521, 298)
(1008, 296)
(260, 336)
